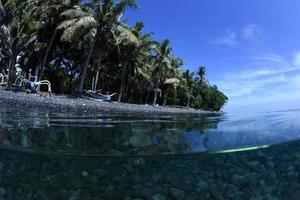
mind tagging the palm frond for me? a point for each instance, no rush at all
(126, 36)
(173, 81)
(74, 13)
(66, 24)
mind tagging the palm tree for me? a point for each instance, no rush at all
(201, 73)
(14, 32)
(189, 80)
(136, 56)
(47, 14)
(172, 76)
(100, 22)
(162, 63)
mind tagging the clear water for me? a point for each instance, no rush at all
(50, 155)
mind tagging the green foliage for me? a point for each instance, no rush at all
(212, 98)
(73, 44)
(198, 102)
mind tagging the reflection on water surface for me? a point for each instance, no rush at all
(124, 135)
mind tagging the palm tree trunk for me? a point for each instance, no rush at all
(11, 68)
(190, 96)
(148, 94)
(12, 60)
(97, 74)
(156, 91)
(141, 97)
(122, 84)
(155, 98)
(165, 97)
(188, 102)
(47, 54)
(83, 76)
(38, 66)
(175, 95)
(127, 83)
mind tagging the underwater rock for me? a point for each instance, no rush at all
(202, 186)
(117, 180)
(3, 135)
(2, 191)
(262, 183)
(116, 152)
(6, 142)
(238, 179)
(156, 177)
(293, 193)
(1, 166)
(158, 197)
(74, 195)
(215, 193)
(140, 140)
(176, 194)
(41, 194)
(84, 173)
(254, 165)
(139, 162)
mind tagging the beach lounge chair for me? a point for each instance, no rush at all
(3, 79)
(98, 95)
(32, 83)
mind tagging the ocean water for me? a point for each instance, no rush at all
(52, 155)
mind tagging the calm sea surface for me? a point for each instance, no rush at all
(51, 155)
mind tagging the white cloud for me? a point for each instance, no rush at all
(264, 86)
(233, 38)
(297, 59)
(271, 57)
(230, 39)
(250, 31)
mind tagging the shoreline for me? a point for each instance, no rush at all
(64, 103)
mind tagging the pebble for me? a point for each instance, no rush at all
(140, 141)
(176, 194)
(1, 166)
(2, 191)
(84, 173)
(202, 186)
(158, 197)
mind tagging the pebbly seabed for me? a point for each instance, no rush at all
(67, 103)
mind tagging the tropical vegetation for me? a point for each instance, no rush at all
(76, 45)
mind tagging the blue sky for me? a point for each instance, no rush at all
(251, 47)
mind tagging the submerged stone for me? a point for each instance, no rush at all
(176, 194)
(202, 185)
(1, 166)
(140, 140)
(116, 152)
(84, 173)
(158, 197)
(2, 191)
